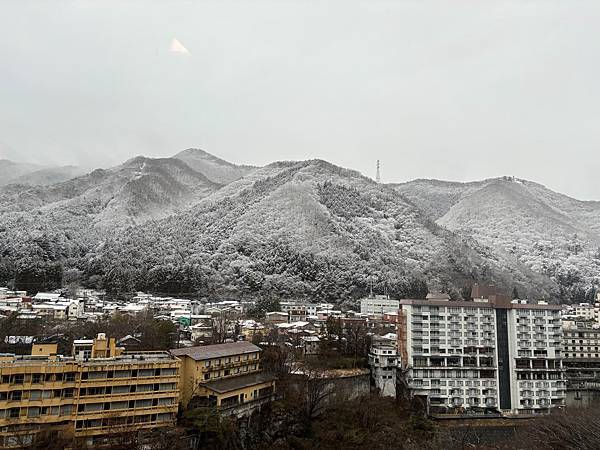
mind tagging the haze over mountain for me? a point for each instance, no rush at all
(35, 174)
(195, 223)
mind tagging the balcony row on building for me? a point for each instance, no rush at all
(487, 355)
(100, 390)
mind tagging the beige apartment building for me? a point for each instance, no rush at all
(225, 376)
(96, 393)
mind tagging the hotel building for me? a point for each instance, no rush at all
(91, 396)
(227, 377)
(489, 354)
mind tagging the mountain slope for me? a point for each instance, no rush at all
(215, 169)
(292, 229)
(47, 231)
(550, 233)
(302, 229)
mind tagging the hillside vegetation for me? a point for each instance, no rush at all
(197, 225)
(550, 233)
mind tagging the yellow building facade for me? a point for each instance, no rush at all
(88, 398)
(225, 376)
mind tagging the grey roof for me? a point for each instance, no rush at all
(217, 350)
(233, 383)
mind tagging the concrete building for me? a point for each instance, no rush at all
(378, 305)
(491, 353)
(581, 353)
(276, 317)
(310, 309)
(85, 398)
(311, 345)
(384, 363)
(297, 315)
(225, 376)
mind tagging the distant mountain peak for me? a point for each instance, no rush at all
(214, 168)
(199, 153)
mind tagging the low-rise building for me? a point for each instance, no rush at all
(297, 315)
(378, 305)
(299, 305)
(276, 317)
(227, 377)
(311, 345)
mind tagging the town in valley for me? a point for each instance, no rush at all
(77, 367)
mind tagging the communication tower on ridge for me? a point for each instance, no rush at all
(378, 176)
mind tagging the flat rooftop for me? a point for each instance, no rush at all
(135, 358)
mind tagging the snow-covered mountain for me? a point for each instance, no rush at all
(550, 233)
(10, 170)
(129, 194)
(49, 231)
(297, 229)
(304, 229)
(214, 168)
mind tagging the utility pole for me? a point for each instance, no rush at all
(378, 176)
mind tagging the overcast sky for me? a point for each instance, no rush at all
(451, 90)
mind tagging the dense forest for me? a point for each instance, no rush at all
(288, 230)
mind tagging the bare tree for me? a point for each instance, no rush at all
(221, 324)
(570, 428)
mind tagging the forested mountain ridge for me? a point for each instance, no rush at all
(552, 234)
(128, 194)
(53, 228)
(292, 229)
(302, 229)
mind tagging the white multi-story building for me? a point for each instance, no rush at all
(383, 360)
(378, 305)
(581, 312)
(491, 353)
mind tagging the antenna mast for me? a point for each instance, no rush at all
(378, 176)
